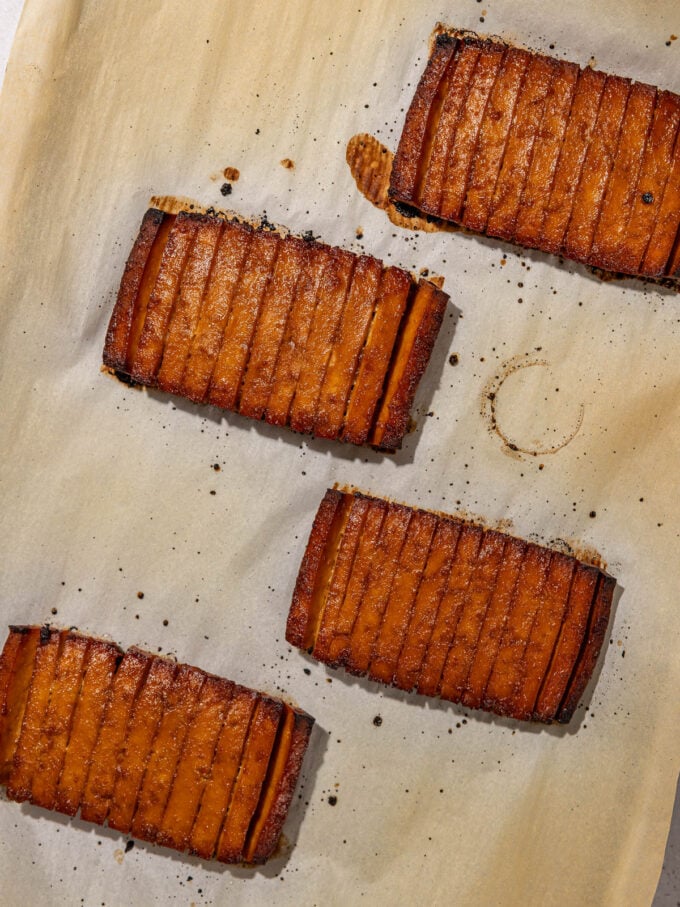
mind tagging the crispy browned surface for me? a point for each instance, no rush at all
(536, 196)
(385, 562)
(420, 600)
(333, 292)
(159, 771)
(185, 315)
(617, 207)
(597, 169)
(248, 785)
(218, 790)
(319, 555)
(19, 649)
(164, 751)
(273, 326)
(138, 265)
(245, 308)
(443, 126)
(590, 649)
(526, 120)
(409, 155)
(534, 150)
(66, 685)
(493, 138)
(290, 265)
(402, 596)
(279, 787)
(568, 645)
(461, 154)
(162, 299)
(464, 643)
(101, 779)
(102, 663)
(232, 251)
(429, 596)
(420, 328)
(31, 744)
(376, 355)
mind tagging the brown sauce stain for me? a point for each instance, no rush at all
(370, 163)
(287, 163)
(231, 174)
(489, 410)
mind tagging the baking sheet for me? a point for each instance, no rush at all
(107, 491)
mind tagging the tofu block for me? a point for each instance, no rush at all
(275, 327)
(166, 752)
(421, 600)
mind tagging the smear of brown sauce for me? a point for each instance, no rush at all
(489, 410)
(370, 163)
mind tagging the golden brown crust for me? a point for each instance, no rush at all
(269, 325)
(167, 752)
(418, 599)
(534, 150)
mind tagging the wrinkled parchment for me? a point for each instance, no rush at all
(109, 492)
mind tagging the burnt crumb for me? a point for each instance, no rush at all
(140, 595)
(332, 800)
(406, 210)
(592, 514)
(45, 634)
(129, 846)
(166, 622)
(54, 610)
(453, 359)
(231, 174)
(513, 446)
(126, 379)
(216, 467)
(308, 236)
(359, 233)
(647, 198)
(287, 163)
(307, 671)
(266, 224)
(212, 491)
(377, 721)
(225, 188)
(444, 40)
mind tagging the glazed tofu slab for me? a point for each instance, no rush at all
(542, 153)
(433, 603)
(274, 327)
(163, 752)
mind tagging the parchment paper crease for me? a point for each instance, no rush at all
(107, 491)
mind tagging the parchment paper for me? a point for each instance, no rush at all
(107, 491)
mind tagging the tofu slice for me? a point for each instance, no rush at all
(333, 292)
(508, 668)
(428, 600)
(66, 685)
(656, 167)
(657, 258)
(249, 780)
(493, 138)
(225, 384)
(597, 169)
(545, 154)
(219, 787)
(421, 121)
(526, 122)
(103, 660)
(617, 207)
(32, 743)
(140, 274)
(195, 764)
(159, 772)
(465, 141)
(184, 317)
(101, 779)
(232, 251)
(457, 590)
(146, 358)
(291, 263)
(458, 84)
(397, 613)
(376, 356)
(482, 586)
(342, 364)
(568, 646)
(577, 138)
(18, 658)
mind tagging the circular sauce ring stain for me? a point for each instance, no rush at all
(511, 367)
